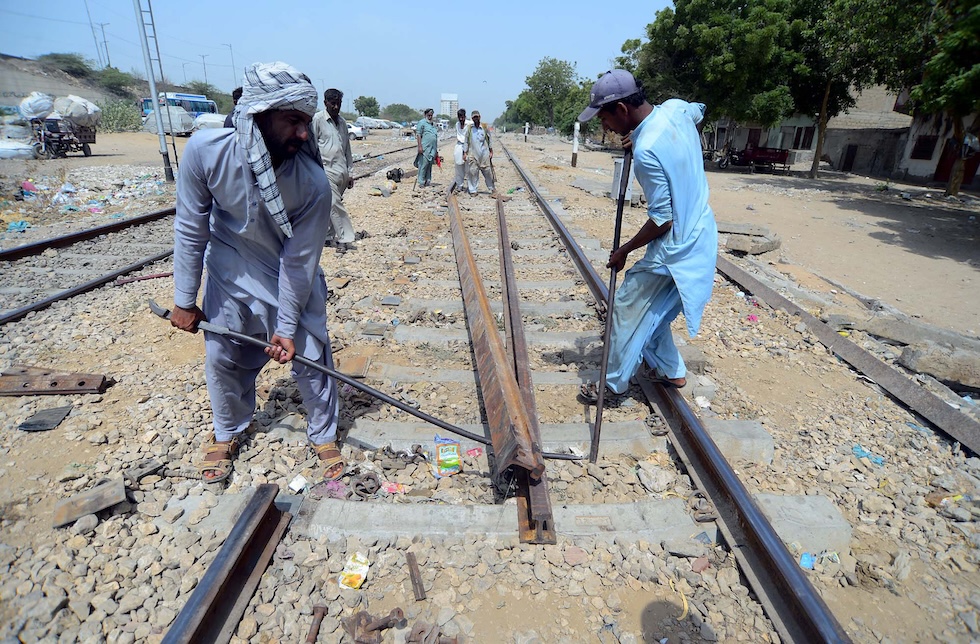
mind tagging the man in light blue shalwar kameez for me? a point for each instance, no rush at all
(253, 206)
(677, 270)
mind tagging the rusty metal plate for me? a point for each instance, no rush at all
(98, 498)
(21, 380)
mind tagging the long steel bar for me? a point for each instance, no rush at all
(607, 334)
(509, 424)
(217, 604)
(17, 314)
(241, 337)
(38, 247)
(930, 406)
(537, 524)
(790, 600)
(575, 252)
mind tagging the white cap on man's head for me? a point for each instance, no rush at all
(614, 85)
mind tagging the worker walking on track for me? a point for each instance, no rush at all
(680, 238)
(330, 130)
(253, 205)
(459, 152)
(427, 136)
(479, 156)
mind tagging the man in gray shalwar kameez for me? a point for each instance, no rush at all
(253, 206)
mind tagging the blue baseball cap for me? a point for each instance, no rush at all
(613, 86)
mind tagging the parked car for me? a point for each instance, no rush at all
(355, 132)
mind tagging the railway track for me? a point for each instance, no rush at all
(412, 326)
(38, 274)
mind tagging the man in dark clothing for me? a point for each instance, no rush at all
(235, 95)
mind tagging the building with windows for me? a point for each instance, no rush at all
(448, 104)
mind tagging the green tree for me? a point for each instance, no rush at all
(951, 79)
(74, 64)
(116, 81)
(550, 83)
(630, 58)
(200, 87)
(367, 106)
(834, 61)
(518, 112)
(732, 55)
(401, 113)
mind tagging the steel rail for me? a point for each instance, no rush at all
(16, 314)
(790, 601)
(36, 248)
(216, 606)
(368, 157)
(534, 514)
(507, 418)
(953, 422)
(592, 280)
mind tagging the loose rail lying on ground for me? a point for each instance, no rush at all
(507, 417)
(217, 604)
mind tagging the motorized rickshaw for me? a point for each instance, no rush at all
(56, 137)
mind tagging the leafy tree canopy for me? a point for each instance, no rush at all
(730, 54)
(367, 106)
(116, 81)
(400, 112)
(549, 85)
(74, 64)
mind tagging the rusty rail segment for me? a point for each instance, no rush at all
(575, 252)
(790, 601)
(534, 515)
(37, 248)
(510, 426)
(953, 422)
(217, 604)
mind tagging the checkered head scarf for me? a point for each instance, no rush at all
(272, 86)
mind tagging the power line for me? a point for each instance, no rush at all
(27, 15)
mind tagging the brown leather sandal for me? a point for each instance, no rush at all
(331, 459)
(225, 452)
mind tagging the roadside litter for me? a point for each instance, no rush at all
(447, 457)
(355, 571)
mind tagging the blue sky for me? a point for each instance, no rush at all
(389, 50)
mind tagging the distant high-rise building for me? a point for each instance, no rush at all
(448, 104)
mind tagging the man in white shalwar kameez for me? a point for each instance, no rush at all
(479, 155)
(253, 206)
(459, 152)
(333, 140)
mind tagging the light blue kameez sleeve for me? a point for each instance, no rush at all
(650, 173)
(191, 227)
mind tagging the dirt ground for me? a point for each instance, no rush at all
(918, 252)
(906, 245)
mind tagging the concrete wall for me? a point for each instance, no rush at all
(938, 125)
(878, 151)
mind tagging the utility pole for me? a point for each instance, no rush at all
(105, 43)
(141, 21)
(185, 72)
(234, 70)
(204, 62)
(98, 50)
